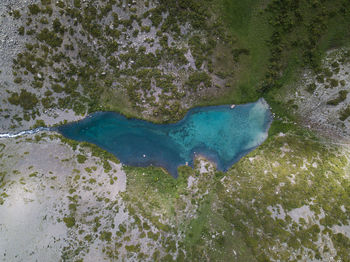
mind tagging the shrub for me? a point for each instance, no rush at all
(81, 159)
(133, 248)
(328, 72)
(320, 78)
(37, 84)
(197, 78)
(333, 82)
(39, 123)
(25, 99)
(16, 14)
(146, 29)
(72, 207)
(69, 221)
(57, 26)
(311, 88)
(164, 41)
(335, 64)
(135, 33)
(57, 88)
(30, 32)
(48, 10)
(17, 80)
(34, 9)
(21, 30)
(156, 17)
(79, 108)
(345, 114)
(49, 38)
(106, 236)
(341, 97)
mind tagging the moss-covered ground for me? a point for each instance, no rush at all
(255, 210)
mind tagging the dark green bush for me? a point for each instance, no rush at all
(57, 88)
(156, 16)
(47, 102)
(34, 9)
(311, 88)
(18, 80)
(333, 82)
(57, 26)
(197, 78)
(69, 221)
(344, 114)
(341, 97)
(16, 14)
(106, 236)
(81, 159)
(25, 99)
(21, 30)
(49, 38)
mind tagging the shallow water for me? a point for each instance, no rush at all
(219, 133)
(25, 132)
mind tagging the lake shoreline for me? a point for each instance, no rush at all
(220, 133)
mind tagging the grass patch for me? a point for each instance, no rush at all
(244, 20)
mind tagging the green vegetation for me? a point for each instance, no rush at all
(81, 159)
(311, 88)
(50, 38)
(34, 9)
(297, 32)
(235, 209)
(25, 99)
(106, 236)
(95, 151)
(283, 35)
(69, 221)
(198, 78)
(39, 123)
(233, 52)
(341, 97)
(345, 113)
(83, 85)
(16, 14)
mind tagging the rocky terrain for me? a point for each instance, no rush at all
(323, 102)
(288, 200)
(129, 56)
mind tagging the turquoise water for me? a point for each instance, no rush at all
(219, 133)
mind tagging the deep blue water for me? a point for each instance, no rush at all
(219, 133)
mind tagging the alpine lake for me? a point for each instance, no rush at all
(222, 134)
